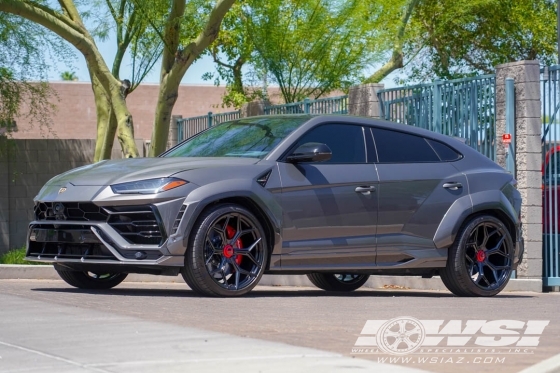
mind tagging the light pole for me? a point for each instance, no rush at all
(558, 27)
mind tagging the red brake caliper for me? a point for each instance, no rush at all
(480, 256)
(230, 232)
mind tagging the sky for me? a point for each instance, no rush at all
(108, 49)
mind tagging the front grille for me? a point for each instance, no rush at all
(137, 224)
(74, 211)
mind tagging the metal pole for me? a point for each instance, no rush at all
(558, 27)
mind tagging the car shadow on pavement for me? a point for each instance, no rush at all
(258, 293)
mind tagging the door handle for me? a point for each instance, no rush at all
(452, 185)
(365, 189)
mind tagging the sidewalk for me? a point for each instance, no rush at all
(38, 336)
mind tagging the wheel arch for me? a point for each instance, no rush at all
(250, 204)
(467, 207)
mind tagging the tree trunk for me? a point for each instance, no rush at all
(168, 93)
(106, 122)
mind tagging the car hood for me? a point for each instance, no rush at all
(124, 170)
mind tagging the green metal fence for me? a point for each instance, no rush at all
(328, 105)
(189, 127)
(463, 108)
(550, 101)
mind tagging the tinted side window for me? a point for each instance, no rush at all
(445, 152)
(345, 141)
(399, 147)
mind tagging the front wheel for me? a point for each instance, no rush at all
(91, 280)
(337, 282)
(480, 262)
(227, 252)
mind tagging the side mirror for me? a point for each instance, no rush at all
(310, 152)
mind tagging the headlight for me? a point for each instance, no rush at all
(151, 186)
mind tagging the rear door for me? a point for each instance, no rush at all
(329, 222)
(418, 184)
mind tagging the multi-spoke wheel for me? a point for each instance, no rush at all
(337, 282)
(227, 252)
(91, 280)
(480, 261)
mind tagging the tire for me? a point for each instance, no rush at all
(90, 280)
(227, 252)
(480, 261)
(337, 282)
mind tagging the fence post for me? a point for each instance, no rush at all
(436, 107)
(306, 105)
(174, 130)
(209, 119)
(528, 154)
(254, 108)
(362, 100)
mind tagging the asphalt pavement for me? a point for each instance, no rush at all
(47, 326)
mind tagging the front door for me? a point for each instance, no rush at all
(330, 208)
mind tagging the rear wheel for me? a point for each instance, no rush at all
(337, 282)
(91, 280)
(227, 252)
(481, 260)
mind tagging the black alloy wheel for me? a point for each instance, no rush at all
(338, 281)
(227, 252)
(91, 280)
(480, 261)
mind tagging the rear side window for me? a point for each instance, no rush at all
(399, 147)
(445, 153)
(345, 141)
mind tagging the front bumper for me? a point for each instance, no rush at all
(87, 234)
(92, 243)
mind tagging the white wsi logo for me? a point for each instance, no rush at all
(404, 335)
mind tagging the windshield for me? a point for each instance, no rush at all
(248, 137)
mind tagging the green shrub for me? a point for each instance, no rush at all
(15, 256)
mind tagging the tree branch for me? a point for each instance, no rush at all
(205, 38)
(397, 57)
(50, 21)
(70, 8)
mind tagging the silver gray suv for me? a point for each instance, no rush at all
(338, 198)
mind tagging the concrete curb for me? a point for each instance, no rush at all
(45, 272)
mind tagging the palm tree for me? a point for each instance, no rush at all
(69, 76)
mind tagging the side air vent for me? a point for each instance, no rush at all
(178, 219)
(263, 179)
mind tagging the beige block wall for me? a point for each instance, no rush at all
(75, 117)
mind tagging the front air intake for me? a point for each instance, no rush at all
(138, 225)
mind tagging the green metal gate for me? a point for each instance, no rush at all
(464, 108)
